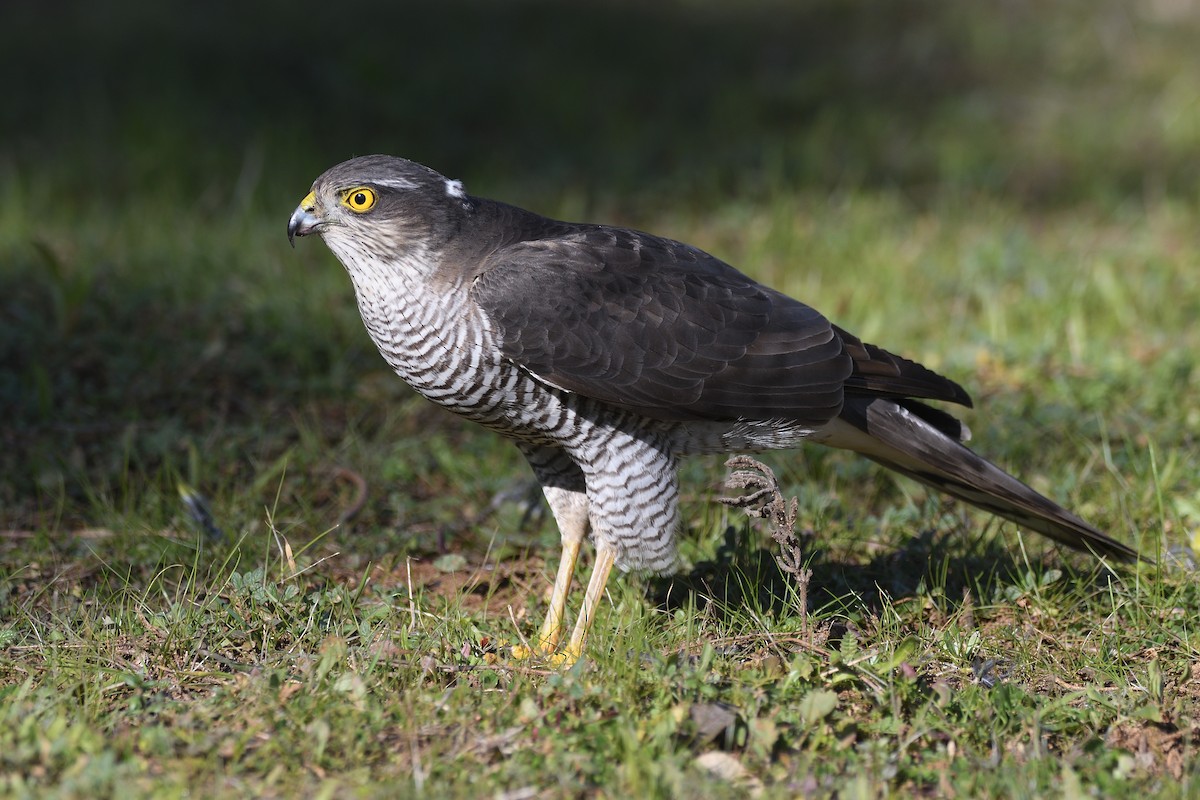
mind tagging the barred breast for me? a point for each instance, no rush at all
(444, 348)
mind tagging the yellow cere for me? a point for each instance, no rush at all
(360, 199)
(309, 201)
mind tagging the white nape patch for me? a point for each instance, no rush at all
(455, 189)
(397, 183)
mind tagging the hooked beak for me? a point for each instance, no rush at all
(303, 221)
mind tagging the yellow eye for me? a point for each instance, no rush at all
(359, 200)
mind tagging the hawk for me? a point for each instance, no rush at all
(607, 354)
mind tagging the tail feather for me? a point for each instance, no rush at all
(927, 450)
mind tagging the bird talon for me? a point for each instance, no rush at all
(524, 652)
(566, 657)
(521, 652)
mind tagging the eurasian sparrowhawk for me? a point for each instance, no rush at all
(606, 354)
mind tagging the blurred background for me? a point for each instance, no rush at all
(1050, 102)
(154, 325)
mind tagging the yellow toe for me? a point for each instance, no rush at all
(544, 647)
(567, 657)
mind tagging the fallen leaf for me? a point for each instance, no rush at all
(729, 769)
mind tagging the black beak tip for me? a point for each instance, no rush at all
(302, 223)
(293, 229)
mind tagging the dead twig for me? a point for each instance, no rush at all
(765, 501)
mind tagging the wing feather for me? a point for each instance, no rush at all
(662, 328)
(667, 330)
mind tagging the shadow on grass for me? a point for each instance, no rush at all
(745, 578)
(106, 381)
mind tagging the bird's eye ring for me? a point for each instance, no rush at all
(360, 199)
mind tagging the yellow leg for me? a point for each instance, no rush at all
(552, 628)
(595, 590)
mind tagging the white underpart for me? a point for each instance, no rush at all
(455, 189)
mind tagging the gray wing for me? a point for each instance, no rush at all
(667, 330)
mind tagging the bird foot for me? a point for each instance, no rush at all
(543, 649)
(565, 658)
(522, 652)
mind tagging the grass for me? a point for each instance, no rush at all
(1007, 194)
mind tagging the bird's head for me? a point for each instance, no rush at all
(379, 207)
